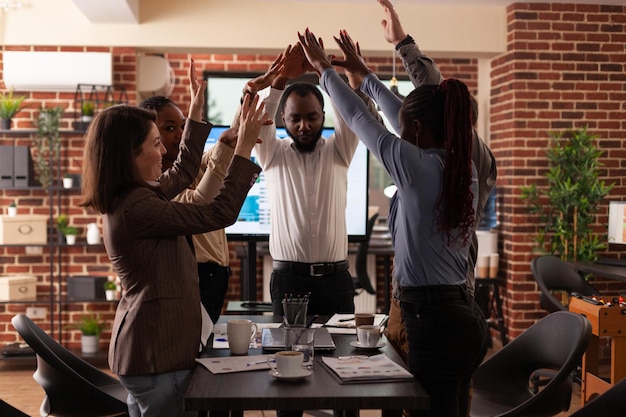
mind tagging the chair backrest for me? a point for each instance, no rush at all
(501, 384)
(609, 404)
(73, 386)
(553, 274)
(362, 279)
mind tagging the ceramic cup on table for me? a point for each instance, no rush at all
(239, 333)
(361, 319)
(368, 335)
(287, 363)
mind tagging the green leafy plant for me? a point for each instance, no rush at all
(10, 105)
(89, 325)
(64, 227)
(568, 205)
(47, 144)
(109, 285)
(88, 108)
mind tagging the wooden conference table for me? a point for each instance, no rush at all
(257, 390)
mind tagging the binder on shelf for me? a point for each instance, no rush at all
(23, 169)
(6, 166)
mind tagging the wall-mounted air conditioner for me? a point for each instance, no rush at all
(155, 76)
(56, 71)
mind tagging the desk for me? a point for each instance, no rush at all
(257, 390)
(617, 273)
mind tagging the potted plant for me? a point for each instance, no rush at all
(9, 106)
(86, 110)
(66, 230)
(110, 289)
(90, 327)
(12, 210)
(47, 144)
(68, 181)
(567, 206)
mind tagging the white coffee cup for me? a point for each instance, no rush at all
(287, 363)
(482, 266)
(494, 260)
(368, 335)
(239, 333)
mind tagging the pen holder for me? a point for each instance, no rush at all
(294, 312)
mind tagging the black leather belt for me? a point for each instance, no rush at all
(313, 270)
(214, 268)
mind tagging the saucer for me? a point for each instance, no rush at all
(303, 374)
(357, 345)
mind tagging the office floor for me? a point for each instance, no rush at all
(18, 388)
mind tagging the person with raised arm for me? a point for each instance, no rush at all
(431, 216)
(159, 326)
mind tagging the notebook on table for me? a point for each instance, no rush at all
(274, 339)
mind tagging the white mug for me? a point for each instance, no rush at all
(368, 335)
(239, 334)
(286, 363)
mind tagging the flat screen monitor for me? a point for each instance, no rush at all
(617, 222)
(253, 223)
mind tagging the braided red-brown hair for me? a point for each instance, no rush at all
(446, 110)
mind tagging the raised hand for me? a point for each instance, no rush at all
(251, 120)
(265, 80)
(314, 51)
(391, 23)
(353, 62)
(196, 90)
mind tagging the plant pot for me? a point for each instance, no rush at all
(68, 182)
(86, 119)
(111, 295)
(12, 211)
(89, 344)
(5, 124)
(70, 239)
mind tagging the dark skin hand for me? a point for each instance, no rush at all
(352, 63)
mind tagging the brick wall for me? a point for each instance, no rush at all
(83, 260)
(564, 68)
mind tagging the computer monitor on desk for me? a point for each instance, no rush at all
(617, 222)
(616, 232)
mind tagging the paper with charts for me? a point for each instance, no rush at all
(361, 368)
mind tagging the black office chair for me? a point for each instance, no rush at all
(609, 404)
(555, 276)
(501, 384)
(557, 280)
(7, 410)
(74, 388)
(362, 279)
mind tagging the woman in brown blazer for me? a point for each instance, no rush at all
(157, 330)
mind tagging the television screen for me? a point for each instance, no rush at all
(617, 222)
(253, 223)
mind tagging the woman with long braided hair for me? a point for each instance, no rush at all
(431, 217)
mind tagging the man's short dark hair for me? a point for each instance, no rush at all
(301, 89)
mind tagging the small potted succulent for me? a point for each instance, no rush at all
(110, 289)
(90, 327)
(12, 209)
(9, 106)
(68, 231)
(68, 181)
(86, 111)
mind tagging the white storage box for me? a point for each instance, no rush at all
(18, 287)
(23, 230)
